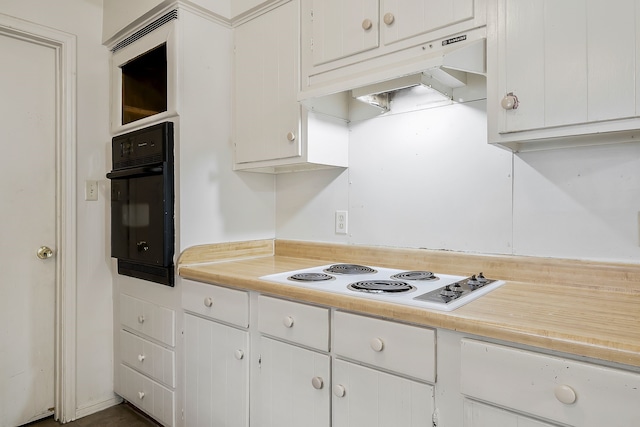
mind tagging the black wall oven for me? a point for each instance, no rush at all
(142, 203)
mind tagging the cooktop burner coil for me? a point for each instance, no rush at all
(415, 275)
(381, 286)
(310, 277)
(349, 269)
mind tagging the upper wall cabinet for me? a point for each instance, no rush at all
(562, 73)
(351, 44)
(272, 131)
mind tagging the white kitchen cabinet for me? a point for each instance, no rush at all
(365, 397)
(573, 67)
(146, 358)
(216, 374)
(478, 415)
(273, 132)
(294, 384)
(553, 388)
(350, 44)
(216, 356)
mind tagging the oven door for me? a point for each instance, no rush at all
(141, 217)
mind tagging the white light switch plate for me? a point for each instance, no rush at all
(91, 190)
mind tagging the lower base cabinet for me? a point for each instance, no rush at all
(217, 374)
(294, 386)
(365, 397)
(479, 415)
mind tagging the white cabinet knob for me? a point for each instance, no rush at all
(565, 394)
(239, 354)
(291, 136)
(141, 357)
(141, 395)
(367, 24)
(389, 18)
(208, 302)
(339, 390)
(288, 322)
(317, 383)
(510, 101)
(377, 344)
(141, 319)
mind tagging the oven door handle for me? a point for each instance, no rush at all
(135, 172)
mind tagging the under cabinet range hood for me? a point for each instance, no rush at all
(447, 73)
(454, 75)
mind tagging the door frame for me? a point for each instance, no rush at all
(64, 46)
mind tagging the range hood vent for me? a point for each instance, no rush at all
(444, 74)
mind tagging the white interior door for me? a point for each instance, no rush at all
(27, 222)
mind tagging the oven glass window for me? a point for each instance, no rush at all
(135, 215)
(144, 85)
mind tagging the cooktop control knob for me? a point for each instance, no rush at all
(447, 292)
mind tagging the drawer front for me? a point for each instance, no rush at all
(151, 397)
(299, 323)
(148, 358)
(401, 348)
(149, 319)
(562, 390)
(216, 302)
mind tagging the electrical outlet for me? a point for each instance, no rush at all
(341, 222)
(91, 190)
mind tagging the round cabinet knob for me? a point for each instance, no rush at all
(377, 344)
(565, 394)
(141, 395)
(239, 354)
(291, 136)
(510, 101)
(317, 383)
(367, 24)
(288, 322)
(389, 18)
(208, 301)
(44, 252)
(140, 319)
(339, 390)
(141, 357)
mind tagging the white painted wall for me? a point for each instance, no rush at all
(428, 179)
(94, 303)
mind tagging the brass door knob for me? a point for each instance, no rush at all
(45, 252)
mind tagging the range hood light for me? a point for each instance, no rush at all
(377, 100)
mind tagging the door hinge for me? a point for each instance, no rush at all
(434, 418)
(259, 361)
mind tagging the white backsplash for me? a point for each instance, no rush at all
(428, 179)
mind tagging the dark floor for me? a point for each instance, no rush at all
(122, 415)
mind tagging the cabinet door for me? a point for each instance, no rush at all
(569, 63)
(479, 415)
(294, 386)
(364, 397)
(267, 114)
(217, 374)
(343, 28)
(403, 19)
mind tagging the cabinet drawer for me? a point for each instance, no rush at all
(147, 318)
(216, 302)
(562, 390)
(405, 349)
(299, 323)
(151, 397)
(148, 358)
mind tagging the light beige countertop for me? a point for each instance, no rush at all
(582, 308)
